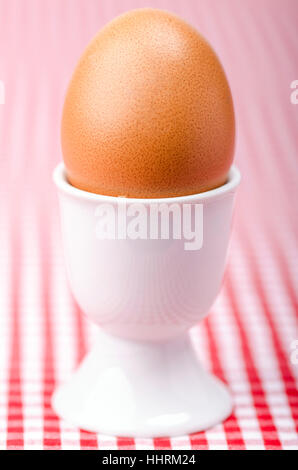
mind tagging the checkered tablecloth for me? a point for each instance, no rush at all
(248, 338)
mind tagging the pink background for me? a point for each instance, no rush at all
(247, 339)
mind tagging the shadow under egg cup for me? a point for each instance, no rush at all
(143, 378)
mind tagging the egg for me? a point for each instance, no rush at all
(148, 112)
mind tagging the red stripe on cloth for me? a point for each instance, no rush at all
(161, 443)
(15, 425)
(51, 427)
(266, 423)
(285, 370)
(231, 427)
(126, 443)
(198, 441)
(88, 440)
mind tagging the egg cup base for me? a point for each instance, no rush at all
(142, 390)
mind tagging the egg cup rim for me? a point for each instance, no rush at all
(60, 180)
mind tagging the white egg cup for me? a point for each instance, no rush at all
(143, 378)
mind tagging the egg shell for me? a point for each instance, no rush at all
(148, 112)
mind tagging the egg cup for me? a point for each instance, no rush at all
(143, 378)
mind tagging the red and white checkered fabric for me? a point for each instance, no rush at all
(247, 338)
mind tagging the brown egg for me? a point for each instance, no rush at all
(148, 112)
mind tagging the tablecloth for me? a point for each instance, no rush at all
(248, 339)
